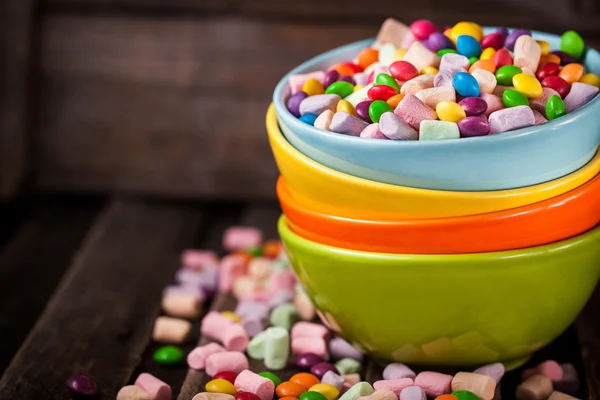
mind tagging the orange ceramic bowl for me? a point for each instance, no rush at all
(536, 224)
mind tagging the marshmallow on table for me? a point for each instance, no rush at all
(432, 96)
(171, 330)
(252, 308)
(323, 121)
(256, 347)
(309, 329)
(133, 392)
(421, 57)
(539, 103)
(359, 389)
(241, 238)
(417, 84)
(282, 280)
(495, 371)
(198, 259)
(297, 81)
(413, 393)
(156, 388)
(254, 325)
(186, 306)
(232, 267)
(248, 381)
(277, 348)
(372, 131)
(259, 268)
(511, 118)
(280, 297)
(483, 386)
(196, 359)
(315, 345)
(413, 111)
(438, 130)
(235, 361)
(434, 383)
(580, 94)
(319, 103)
(305, 307)
(395, 385)
(348, 124)
(213, 396)
(486, 80)
(284, 315)
(219, 327)
(536, 387)
(339, 348)
(550, 369)
(334, 379)
(453, 63)
(527, 53)
(560, 396)
(380, 394)
(570, 380)
(398, 371)
(494, 103)
(245, 288)
(391, 31)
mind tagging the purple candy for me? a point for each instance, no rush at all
(473, 105)
(348, 78)
(293, 103)
(503, 31)
(330, 77)
(565, 58)
(437, 41)
(321, 369)
(307, 360)
(82, 385)
(473, 126)
(362, 110)
(339, 348)
(512, 37)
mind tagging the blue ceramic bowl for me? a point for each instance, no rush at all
(502, 161)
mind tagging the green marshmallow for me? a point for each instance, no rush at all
(284, 316)
(277, 348)
(359, 390)
(347, 366)
(256, 347)
(438, 130)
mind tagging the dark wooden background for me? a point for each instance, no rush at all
(167, 97)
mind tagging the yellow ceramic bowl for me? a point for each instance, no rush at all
(461, 309)
(331, 192)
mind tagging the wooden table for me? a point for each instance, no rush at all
(82, 280)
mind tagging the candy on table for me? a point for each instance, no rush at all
(289, 389)
(196, 359)
(282, 280)
(393, 127)
(241, 238)
(413, 393)
(555, 107)
(453, 63)
(465, 84)
(227, 375)
(157, 389)
(312, 396)
(413, 111)
(347, 124)
(82, 385)
(433, 96)
(434, 383)
(417, 84)
(293, 103)
(277, 344)
(528, 85)
(450, 111)
(539, 103)
(511, 118)
(198, 259)
(169, 355)
(464, 395)
(329, 391)
(372, 131)
(494, 371)
(580, 94)
(183, 306)
(570, 380)
(231, 268)
(171, 330)
(212, 396)
(248, 381)
(321, 369)
(536, 387)
(377, 108)
(340, 348)
(348, 366)
(487, 65)
(252, 308)
(557, 83)
(305, 379)
(391, 31)
(235, 361)
(220, 386)
(395, 385)
(438, 130)
(560, 396)
(331, 378)
(359, 389)
(483, 386)
(591, 79)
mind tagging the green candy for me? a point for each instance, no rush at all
(571, 43)
(385, 79)
(473, 59)
(465, 395)
(272, 377)
(512, 98)
(255, 251)
(284, 316)
(312, 396)
(377, 108)
(169, 356)
(347, 366)
(341, 88)
(505, 74)
(555, 107)
(446, 51)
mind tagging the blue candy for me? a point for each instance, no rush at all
(468, 46)
(466, 85)
(310, 118)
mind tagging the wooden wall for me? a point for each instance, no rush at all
(168, 97)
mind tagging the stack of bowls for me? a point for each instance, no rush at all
(455, 252)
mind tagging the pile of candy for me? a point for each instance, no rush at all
(418, 83)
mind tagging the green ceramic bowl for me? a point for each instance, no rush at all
(448, 309)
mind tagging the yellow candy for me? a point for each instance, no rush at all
(358, 87)
(450, 111)
(399, 54)
(220, 386)
(488, 54)
(429, 70)
(466, 28)
(545, 46)
(345, 106)
(313, 87)
(590, 79)
(528, 85)
(327, 390)
(232, 316)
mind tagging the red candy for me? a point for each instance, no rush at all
(422, 29)
(546, 70)
(557, 83)
(403, 71)
(227, 375)
(493, 40)
(381, 92)
(246, 396)
(502, 58)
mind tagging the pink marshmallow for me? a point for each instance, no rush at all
(579, 95)
(483, 386)
(395, 385)
(297, 81)
(156, 388)
(421, 57)
(241, 238)
(434, 383)
(413, 393)
(235, 338)
(197, 357)
(232, 267)
(214, 324)
(417, 84)
(454, 63)
(413, 111)
(494, 103)
(398, 371)
(308, 329)
(539, 118)
(316, 345)
(550, 369)
(282, 280)
(198, 259)
(372, 131)
(234, 361)
(248, 381)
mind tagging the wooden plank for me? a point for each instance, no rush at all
(16, 27)
(185, 92)
(100, 318)
(154, 6)
(588, 330)
(33, 261)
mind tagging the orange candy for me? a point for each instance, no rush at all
(571, 72)
(367, 57)
(290, 389)
(447, 397)
(271, 248)
(488, 65)
(305, 379)
(549, 58)
(343, 70)
(394, 100)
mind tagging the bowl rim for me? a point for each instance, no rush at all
(288, 235)
(295, 123)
